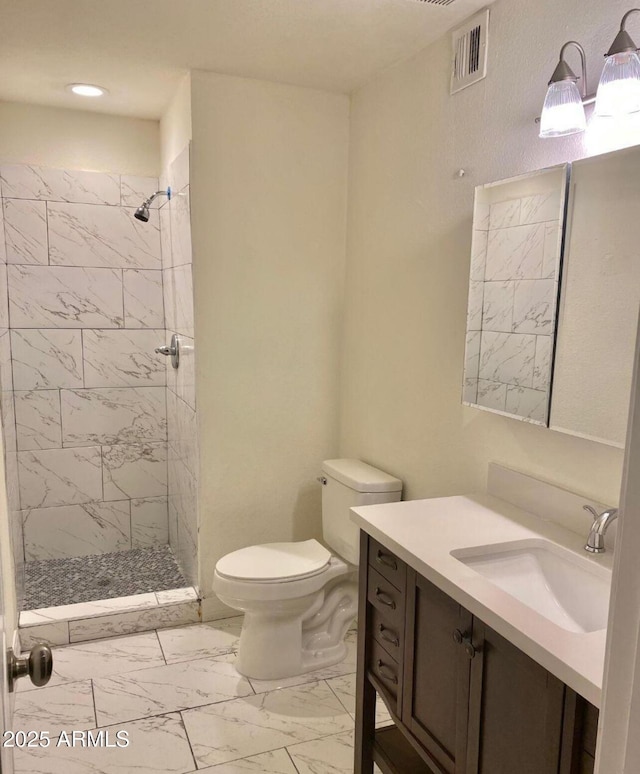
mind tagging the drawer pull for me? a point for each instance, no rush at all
(387, 673)
(387, 560)
(388, 635)
(385, 599)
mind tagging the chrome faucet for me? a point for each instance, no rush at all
(601, 522)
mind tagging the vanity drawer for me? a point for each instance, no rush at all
(388, 674)
(385, 598)
(387, 564)
(387, 634)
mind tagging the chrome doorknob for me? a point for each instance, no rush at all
(38, 664)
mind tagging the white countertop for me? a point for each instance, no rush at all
(424, 532)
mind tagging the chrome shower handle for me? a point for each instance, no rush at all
(172, 350)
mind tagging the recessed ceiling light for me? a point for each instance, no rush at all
(86, 90)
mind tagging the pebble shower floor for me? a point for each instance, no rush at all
(54, 582)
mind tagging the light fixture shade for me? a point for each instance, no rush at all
(563, 111)
(619, 90)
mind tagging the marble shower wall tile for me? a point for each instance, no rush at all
(143, 299)
(497, 307)
(101, 236)
(541, 208)
(113, 415)
(46, 358)
(21, 181)
(165, 235)
(478, 255)
(134, 190)
(60, 477)
(552, 249)
(182, 381)
(492, 395)
(123, 358)
(507, 358)
(178, 299)
(542, 365)
(77, 530)
(527, 403)
(472, 354)
(38, 420)
(504, 214)
(3, 251)
(134, 471)
(180, 228)
(534, 306)
(149, 522)
(25, 224)
(515, 253)
(474, 311)
(4, 296)
(65, 297)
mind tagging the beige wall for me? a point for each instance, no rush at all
(77, 139)
(268, 201)
(175, 124)
(409, 238)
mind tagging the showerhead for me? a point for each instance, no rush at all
(142, 213)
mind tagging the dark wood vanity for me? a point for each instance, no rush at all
(463, 699)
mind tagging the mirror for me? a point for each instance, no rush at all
(598, 314)
(518, 231)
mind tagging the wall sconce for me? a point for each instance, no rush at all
(618, 92)
(563, 111)
(619, 88)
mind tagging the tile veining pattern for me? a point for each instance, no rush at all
(186, 709)
(86, 409)
(175, 233)
(513, 293)
(53, 582)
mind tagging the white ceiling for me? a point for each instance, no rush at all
(138, 49)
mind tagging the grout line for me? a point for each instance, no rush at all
(161, 648)
(286, 749)
(95, 710)
(186, 734)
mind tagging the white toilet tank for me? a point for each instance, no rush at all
(349, 484)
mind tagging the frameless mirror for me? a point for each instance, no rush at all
(598, 313)
(518, 232)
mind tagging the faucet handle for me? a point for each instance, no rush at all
(591, 510)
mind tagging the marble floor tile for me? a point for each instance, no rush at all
(60, 708)
(167, 688)
(102, 658)
(345, 667)
(223, 732)
(345, 689)
(156, 746)
(274, 762)
(329, 755)
(215, 638)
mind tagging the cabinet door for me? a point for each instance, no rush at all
(437, 668)
(515, 712)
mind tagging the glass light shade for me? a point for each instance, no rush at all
(563, 111)
(619, 89)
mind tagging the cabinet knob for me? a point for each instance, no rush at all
(457, 637)
(469, 649)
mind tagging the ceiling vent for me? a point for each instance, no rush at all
(469, 61)
(437, 2)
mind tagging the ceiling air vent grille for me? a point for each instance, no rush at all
(437, 2)
(470, 52)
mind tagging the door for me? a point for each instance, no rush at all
(515, 711)
(437, 669)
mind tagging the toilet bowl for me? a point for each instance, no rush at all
(298, 598)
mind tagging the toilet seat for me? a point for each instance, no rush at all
(275, 562)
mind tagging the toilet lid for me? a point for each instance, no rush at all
(275, 561)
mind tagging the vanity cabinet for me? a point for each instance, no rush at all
(463, 699)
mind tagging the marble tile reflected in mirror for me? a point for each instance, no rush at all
(518, 229)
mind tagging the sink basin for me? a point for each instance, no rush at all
(567, 589)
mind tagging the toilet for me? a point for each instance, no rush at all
(299, 599)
